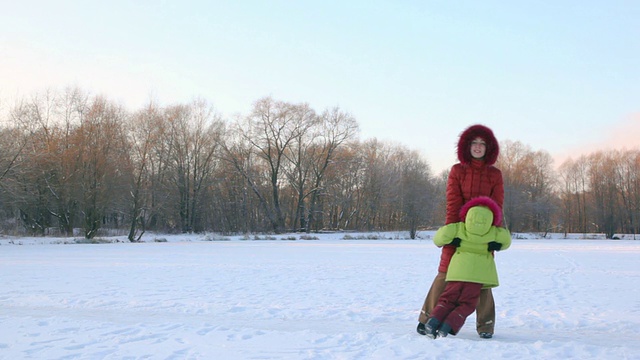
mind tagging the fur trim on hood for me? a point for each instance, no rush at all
(483, 201)
(468, 135)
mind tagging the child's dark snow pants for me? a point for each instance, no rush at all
(485, 310)
(456, 303)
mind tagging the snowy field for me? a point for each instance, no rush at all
(323, 298)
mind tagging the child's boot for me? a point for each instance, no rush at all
(431, 327)
(444, 330)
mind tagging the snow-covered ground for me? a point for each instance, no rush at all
(320, 298)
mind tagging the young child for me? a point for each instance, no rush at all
(472, 267)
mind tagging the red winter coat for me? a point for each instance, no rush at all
(471, 178)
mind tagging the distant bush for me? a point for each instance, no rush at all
(93, 241)
(363, 237)
(266, 237)
(215, 237)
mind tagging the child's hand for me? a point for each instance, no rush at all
(494, 246)
(455, 242)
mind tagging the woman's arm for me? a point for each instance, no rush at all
(454, 196)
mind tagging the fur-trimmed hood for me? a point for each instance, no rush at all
(468, 135)
(486, 202)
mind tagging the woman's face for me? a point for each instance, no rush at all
(478, 148)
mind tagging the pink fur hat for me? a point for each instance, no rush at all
(483, 201)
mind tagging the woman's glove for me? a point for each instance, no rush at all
(494, 246)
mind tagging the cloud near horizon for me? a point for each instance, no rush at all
(624, 135)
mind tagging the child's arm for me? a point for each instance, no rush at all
(502, 239)
(445, 234)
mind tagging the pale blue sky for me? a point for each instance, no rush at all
(560, 76)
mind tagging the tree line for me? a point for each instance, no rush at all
(74, 162)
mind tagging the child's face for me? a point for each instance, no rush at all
(479, 220)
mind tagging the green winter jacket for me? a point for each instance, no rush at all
(472, 261)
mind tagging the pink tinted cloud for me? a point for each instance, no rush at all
(624, 135)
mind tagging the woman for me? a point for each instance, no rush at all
(472, 177)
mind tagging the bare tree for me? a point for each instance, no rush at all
(541, 187)
(342, 189)
(417, 193)
(265, 137)
(528, 187)
(439, 185)
(14, 190)
(68, 161)
(49, 177)
(61, 171)
(569, 195)
(574, 194)
(629, 175)
(100, 150)
(299, 156)
(379, 185)
(337, 129)
(145, 131)
(195, 132)
(604, 187)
